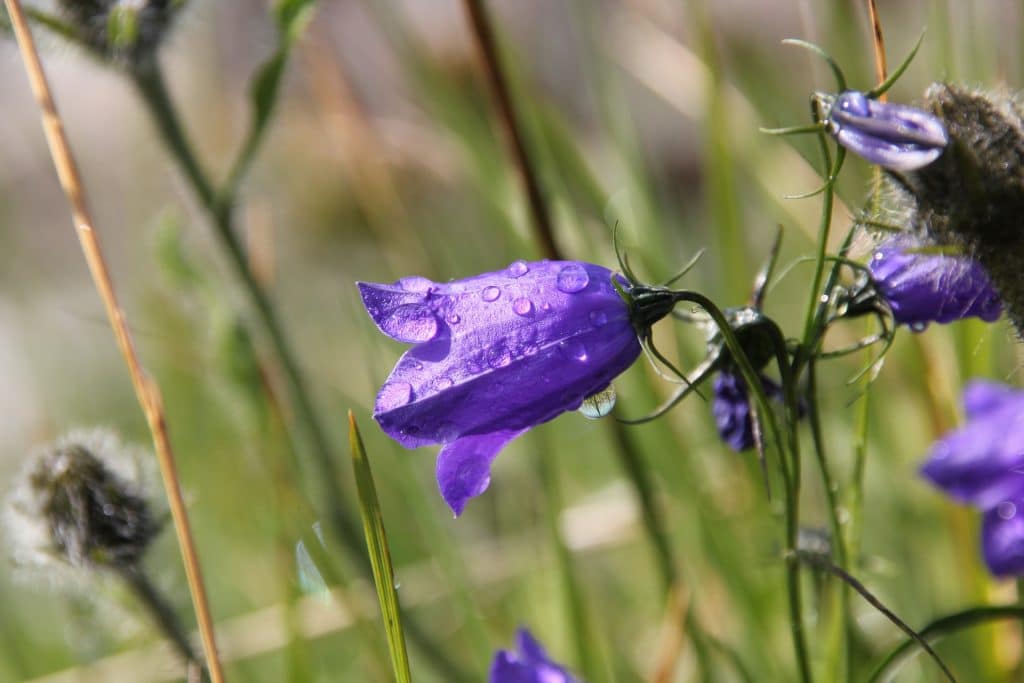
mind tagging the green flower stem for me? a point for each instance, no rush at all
(837, 651)
(150, 84)
(162, 613)
(790, 468)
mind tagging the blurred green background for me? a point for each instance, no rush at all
(385, 159)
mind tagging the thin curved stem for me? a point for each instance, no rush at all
(790, 468)
(152, 89)
(147, 392)
(162, 613)
(940, 628)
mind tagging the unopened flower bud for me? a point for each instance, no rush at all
(894, 136)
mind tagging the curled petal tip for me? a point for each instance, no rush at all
(464, 466)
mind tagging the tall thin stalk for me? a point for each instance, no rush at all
(150, 84)
(146, 390)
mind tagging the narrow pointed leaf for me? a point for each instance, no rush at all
(380, 555)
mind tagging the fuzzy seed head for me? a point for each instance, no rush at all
(79, 504)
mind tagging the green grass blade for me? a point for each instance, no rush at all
(380, 556)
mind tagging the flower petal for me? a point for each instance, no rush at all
(982, 463)
(515, 349)
(464, 466)
(981, 397)
(921, 288)
(530, 664)
(890, 155)
(1002, 538)
(400, 312)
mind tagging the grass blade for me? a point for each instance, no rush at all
(380, 556)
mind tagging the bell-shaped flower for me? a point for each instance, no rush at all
(894, 136)
(921, 287)
(495, 355)
(528, 664)
(982, 464)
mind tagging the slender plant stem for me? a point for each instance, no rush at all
(483, 36)
(881, 71)
(150, 84)
(832, 498)
(146, 390)
(153, 91)
(162, 613)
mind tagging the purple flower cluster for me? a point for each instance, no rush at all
(982, 464)
(920, 287)
(495, 355)
(528, 664)
(894, 136)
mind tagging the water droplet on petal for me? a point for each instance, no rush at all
(522, 306)
(918, 327)
(572, 278)
(415, 365)
(498, 356)
(454, 319)
(394, 395)
(545, 306)
(473, 367)
(1006, 510)
(415, 283)
(530, 350)
(518, 269)
(411, 323)
(598, 318)
(574, 349)
(490, 293)
(598, 405)
(443, 382)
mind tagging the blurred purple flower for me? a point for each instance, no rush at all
(730, 405)
(495, 355)
(982, 464)
(894, 136)
(529, 664)
(921, 288)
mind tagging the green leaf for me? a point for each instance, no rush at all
(291, 17)
(380, 556)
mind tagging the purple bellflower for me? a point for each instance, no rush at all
(529, 664)
(495, 355)
(920, 288)
(982, 464)
(730, 405)
(894, 136)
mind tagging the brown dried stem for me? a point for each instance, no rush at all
(881, 70)
(146, 390)
(483, 36)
